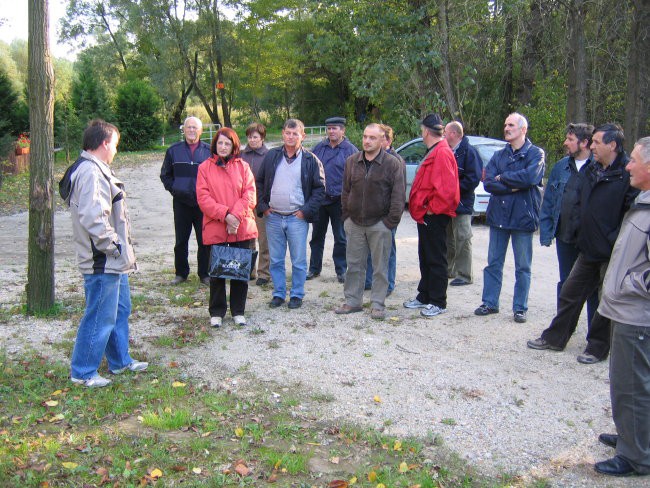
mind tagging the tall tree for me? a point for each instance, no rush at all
(637, 104)
(40, 264)
(576, 109)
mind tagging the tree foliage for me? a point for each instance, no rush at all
(136, 107)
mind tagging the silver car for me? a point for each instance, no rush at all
(414, 151)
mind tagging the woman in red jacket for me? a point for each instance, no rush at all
(225, 190)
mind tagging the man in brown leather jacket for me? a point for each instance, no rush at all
(372, 202)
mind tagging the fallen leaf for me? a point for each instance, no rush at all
(56, 418)
(239, 432)
(273, 478)
(352, 481)
(372, 476)
(44, 484)
(167, 410)
(197, 470)
(57, 392)
(242, 470)
(154, 381)
(403, 467)
(338, 484)
(69, 465)
(101, 471)
(334, 460)
(155, 474)
(377, 399)
(381, 485)
(179, 468)
(397, 446)
(178, 384)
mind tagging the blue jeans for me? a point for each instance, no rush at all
(283, 230)
(326, 213)
(392, 266)
(104, 328)
(522, 247)
(566, 257)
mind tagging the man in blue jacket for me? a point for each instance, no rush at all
(459, 233)
(290, 189)
(178, 174)
(559, 217)
(332, 151)
(605, 195)
(513, 177)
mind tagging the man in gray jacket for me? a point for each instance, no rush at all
(102, 240)
(626, 302)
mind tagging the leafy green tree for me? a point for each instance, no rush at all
(136, 107)
(88, 95)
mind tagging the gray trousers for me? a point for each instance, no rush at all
(376, 239)
(459, 248)
(629, 376)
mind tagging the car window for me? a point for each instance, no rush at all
(486, 152)
(413, 153)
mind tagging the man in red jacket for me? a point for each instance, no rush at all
(432, 203)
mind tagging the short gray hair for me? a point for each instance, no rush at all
(644, 149)
(198, 121)
(523, 121)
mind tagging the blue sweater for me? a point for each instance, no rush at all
(179, 169)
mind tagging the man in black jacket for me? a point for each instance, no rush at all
(178, 174)
(290, 190)
(605, 195)
(459, 233)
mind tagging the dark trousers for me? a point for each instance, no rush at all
(566, 256)
(186, 217)
(629, 383)
(326, 213)
(585, 278)
(432, 252)
(238, 290)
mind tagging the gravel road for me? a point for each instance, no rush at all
(467, 380)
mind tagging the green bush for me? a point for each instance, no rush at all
(136, 108)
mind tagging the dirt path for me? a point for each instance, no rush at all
(469, 381)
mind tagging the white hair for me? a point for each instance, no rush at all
(644, 149)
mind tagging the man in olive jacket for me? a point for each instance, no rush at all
(372, 202)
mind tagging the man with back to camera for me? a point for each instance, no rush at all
(178, 175)
(513, 176)
(290, 188)
(332, 152)
(605, 195)
(459, 232)
(626, 302)
(101, 232)
(433, 200)
(372, 202)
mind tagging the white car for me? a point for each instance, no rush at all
(414, 151)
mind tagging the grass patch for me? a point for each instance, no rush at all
(159, 427)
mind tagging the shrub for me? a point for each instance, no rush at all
(136, 108)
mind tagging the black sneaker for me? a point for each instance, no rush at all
(276, 302)
(295, 302)
(485, 310)
(312, 274)
(520, 316)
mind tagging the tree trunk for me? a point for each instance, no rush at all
(445, 68)
(637, 102)
(576, 109)
(218, 51)
(40, 264)
(508, 54)
(532, 52)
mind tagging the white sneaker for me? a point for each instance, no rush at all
(239, 320)
(94, 382)
(414, 303)
(135, 366)
(432, 310)
(215, 321)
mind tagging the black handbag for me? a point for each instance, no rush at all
(231, 263)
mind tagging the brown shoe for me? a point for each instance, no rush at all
(378, 314)
(346, 309)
